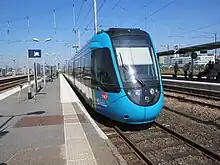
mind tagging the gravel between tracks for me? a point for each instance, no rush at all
(205, 113)
(205, 135)
(192, 159)
(196, 98)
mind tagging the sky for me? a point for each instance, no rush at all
(169, 22)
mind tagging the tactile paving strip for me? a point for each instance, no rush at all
(39, 121)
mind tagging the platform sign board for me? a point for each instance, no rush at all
(194, 55)
(34, 53)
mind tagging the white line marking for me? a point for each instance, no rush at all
(99, 131)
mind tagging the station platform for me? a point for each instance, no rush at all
(52, 129)
(195, 78)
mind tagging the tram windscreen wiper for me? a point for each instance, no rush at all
(125, 67)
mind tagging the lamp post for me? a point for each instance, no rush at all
(14, 69)
(42, 41)
(14, 73)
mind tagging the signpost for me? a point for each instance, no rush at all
(193, 56)
(32, 53)
(35, 77)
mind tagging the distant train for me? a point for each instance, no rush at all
(118, 75)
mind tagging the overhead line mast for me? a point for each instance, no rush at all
(95, 17)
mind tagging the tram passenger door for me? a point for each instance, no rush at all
(104, 81)
(98, 102)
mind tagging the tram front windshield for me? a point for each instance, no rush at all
(136, 60)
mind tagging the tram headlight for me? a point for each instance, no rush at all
(144, 96)
(137, 92)
(152, 91)
(134, 95)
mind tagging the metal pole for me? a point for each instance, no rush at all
(192, 63)
(51, 73)
(70, 51)
(6, 69)
(28, 23)
(145, 17)
(28, 26)
(35, 77)
(29, 83)
(14, 74)
(74, 18)
(54, 20)
(95, 17)
(44, 74)
(78, 38)
(8, 30)
(215, 48)
(66, 67)
(168, 47)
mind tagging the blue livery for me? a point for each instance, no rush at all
(117, 73)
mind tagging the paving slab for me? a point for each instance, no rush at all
(32, 130)
(53, 129)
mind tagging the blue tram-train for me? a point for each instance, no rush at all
(117, 73)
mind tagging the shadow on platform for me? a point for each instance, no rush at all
(4, 132)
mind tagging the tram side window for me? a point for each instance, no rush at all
(87, 71)
(73, 69)
(103, 71)
(82, 62)
(78, 70)
(88, 65)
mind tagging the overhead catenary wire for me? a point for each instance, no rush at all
(140, 10)
(205, 33)
(158, 10)
(80, 10)
(117, 3)
(201, 28)
(90, 9)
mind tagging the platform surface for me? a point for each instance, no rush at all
(52, 129)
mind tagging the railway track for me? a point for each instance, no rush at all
(10, 84)
(154, 144)
(209, 94)
(184, 98)
(192, 94)
(144, 146)
(193, 117)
